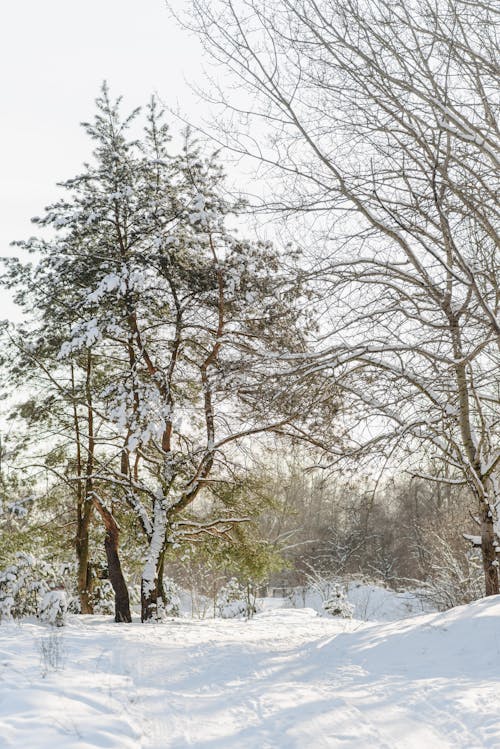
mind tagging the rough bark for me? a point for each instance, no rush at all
(160, 587)
(84, 575)
(489, 555)
(153, 594)
(116, 578)
(479, 481)
(149, 599)
(84, 513)
(122, 601)
(489, 535)
(151, 583)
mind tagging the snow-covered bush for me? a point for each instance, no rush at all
(331, 594)
(236, 600)
(337, 604)
(103, 597)
(53, 607)
(172, 602)
(24, 586)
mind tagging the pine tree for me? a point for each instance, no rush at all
(167, 329)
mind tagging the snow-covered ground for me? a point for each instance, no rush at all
(371, 602)
(288, 679)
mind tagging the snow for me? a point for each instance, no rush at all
(287, 679)
(371, 602)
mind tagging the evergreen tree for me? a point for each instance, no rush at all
(168, 330)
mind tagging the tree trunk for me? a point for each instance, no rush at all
(153, 593)
(84, 575)
(149, 600)
(488, 536)
(159, 585)
(489, 545)
(122, 601)
(83, 516)
(116, 578)
(489, 559)
(152, 575)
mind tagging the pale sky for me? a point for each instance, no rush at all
(54, 55)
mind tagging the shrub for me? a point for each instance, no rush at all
(337, 604)
(236, 600)
(456, 577)
(24, 589)
(53, 607)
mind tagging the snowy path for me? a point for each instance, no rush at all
(286, 680)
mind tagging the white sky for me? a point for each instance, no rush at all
(54, 55)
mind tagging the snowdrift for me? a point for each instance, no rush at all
(462, 640)
(371, 602)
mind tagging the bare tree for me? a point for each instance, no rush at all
(379, 119)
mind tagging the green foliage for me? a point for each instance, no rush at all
(25, 586)
(249, 558)
(103, 597)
